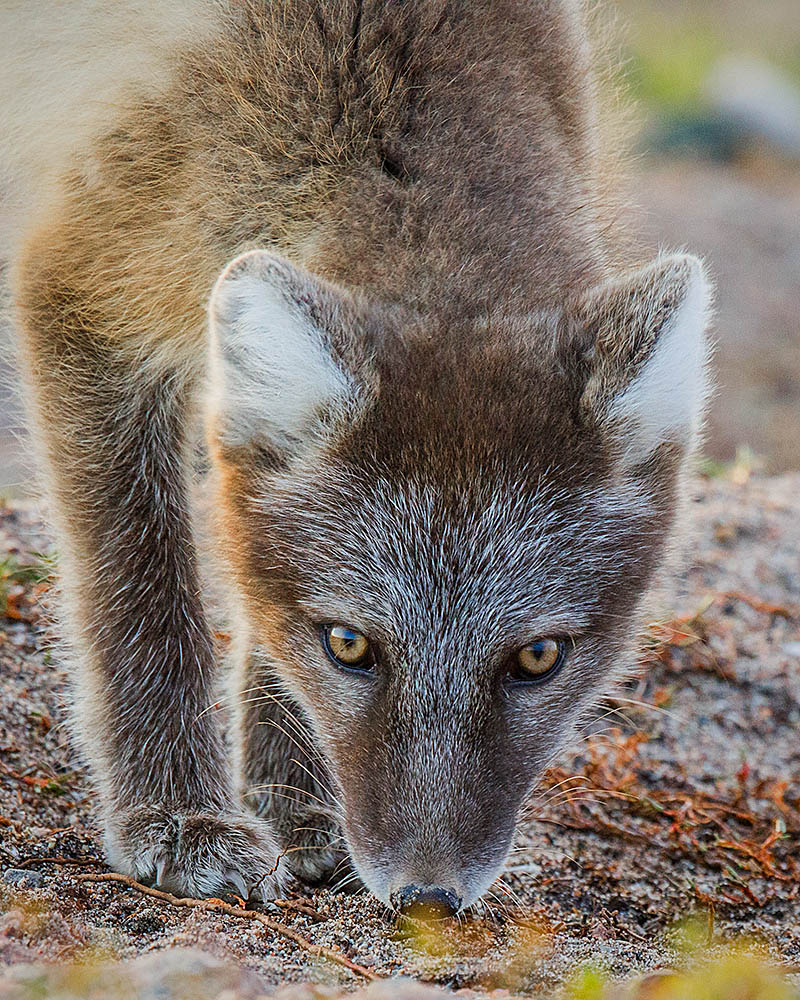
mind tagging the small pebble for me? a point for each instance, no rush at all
(144, 923)
(23, 879)
(38, 833)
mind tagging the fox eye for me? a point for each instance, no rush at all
(538, 661)
(347, 647)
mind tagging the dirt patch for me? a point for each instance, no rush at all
(683, 797)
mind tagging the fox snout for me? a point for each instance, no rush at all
(430, 876)
(430, 824)
(425, 903)
(425, 892)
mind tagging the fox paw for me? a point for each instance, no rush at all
(199, 854)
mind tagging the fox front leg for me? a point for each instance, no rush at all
(113, 442)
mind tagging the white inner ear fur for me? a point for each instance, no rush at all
(665, 401)
(271, 371)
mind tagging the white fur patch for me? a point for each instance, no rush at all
(271, 372)
(665, 401)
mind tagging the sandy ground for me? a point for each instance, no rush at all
(683, 798)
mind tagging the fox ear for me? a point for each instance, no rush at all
(278, 347)
(649, 379)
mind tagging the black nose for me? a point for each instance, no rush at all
(425, 903)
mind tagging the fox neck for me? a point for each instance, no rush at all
(467, 249)
(471, 178)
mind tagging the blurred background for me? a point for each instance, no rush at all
(718, 90)
(717, 170)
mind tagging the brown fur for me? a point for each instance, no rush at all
(440, 163)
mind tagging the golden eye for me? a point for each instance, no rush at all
(347, 646)
(539, 659)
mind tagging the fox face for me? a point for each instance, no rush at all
(443, 529)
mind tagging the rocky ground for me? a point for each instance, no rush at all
(684, 798)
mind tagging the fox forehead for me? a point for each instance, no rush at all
(500, 557)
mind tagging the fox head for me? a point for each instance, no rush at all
(443, 528)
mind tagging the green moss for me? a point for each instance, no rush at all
(59, 785)
(13, 570)
(15, 573)
(590, 983)
(671, 49)
(740, 971)
(668, 61)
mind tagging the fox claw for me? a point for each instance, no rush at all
(161, 869)
(238, 883)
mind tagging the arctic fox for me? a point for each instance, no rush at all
(373, 248)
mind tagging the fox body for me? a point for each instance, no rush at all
(449, 413)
